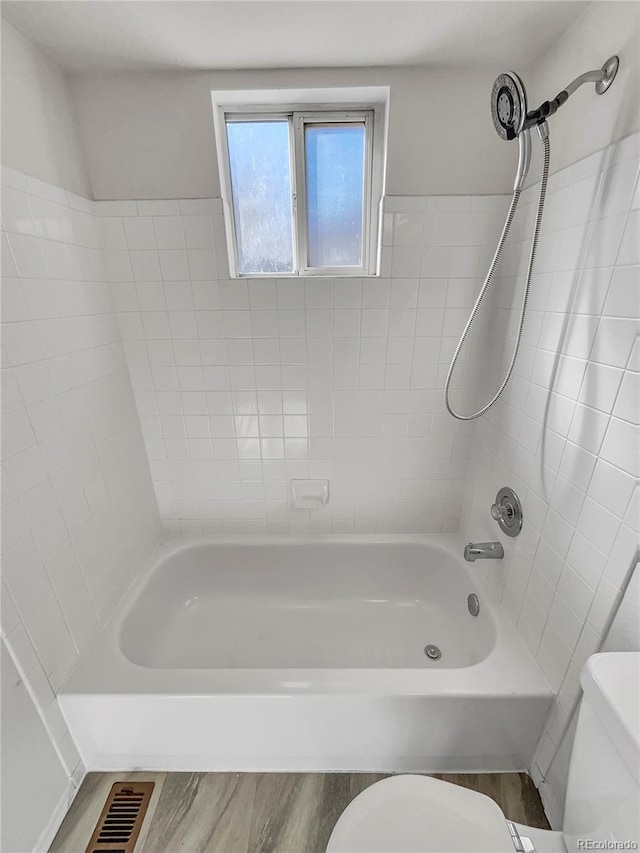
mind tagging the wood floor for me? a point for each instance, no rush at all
(260, 812)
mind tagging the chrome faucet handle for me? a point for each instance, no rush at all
(500, 511)
(507, 511)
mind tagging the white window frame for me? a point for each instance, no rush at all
(369, 108)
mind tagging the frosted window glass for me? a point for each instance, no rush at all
(334, 156)
(261, 190)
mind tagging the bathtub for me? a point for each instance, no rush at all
(272, 654)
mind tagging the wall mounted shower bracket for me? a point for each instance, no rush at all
(602, 77)
(609, 71)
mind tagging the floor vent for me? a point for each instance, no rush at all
(119, 824)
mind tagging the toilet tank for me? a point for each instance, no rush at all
(602, 809)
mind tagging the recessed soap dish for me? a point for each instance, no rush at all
(309, 494)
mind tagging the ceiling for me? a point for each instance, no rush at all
(211, 34)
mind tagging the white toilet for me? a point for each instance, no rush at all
(419, 814)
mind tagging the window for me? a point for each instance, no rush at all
(261, 193)
(301, 185)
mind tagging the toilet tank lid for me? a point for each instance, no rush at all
(611, 684)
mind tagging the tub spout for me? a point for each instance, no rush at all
(483, 551)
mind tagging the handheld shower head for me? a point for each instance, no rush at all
(509, 113)
(511, 119)
(508, 105)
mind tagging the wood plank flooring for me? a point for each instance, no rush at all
(260, 812)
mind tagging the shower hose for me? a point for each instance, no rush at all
(489, 281)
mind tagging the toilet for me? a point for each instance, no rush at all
(420, 814)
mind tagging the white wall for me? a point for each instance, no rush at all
(150, 136)
(39, 128)
(565, 434)
(244, 385)
(79, 515)
(34, 778)
(624, 634)
(39, 135)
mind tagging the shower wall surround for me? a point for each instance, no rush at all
(242, 385)
(79, 513)
(564, 436)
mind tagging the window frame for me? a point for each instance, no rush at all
(265, 106)
(227, 193)
(299, 121)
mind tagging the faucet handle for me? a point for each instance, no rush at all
(500, 511)
(507, 511)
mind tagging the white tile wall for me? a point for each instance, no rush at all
(79, 513)
(242, 385)
(565, 435)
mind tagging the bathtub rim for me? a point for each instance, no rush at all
(508, 669)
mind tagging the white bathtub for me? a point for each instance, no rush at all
(283, 654)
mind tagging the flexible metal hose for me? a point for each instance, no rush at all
(489, 280)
